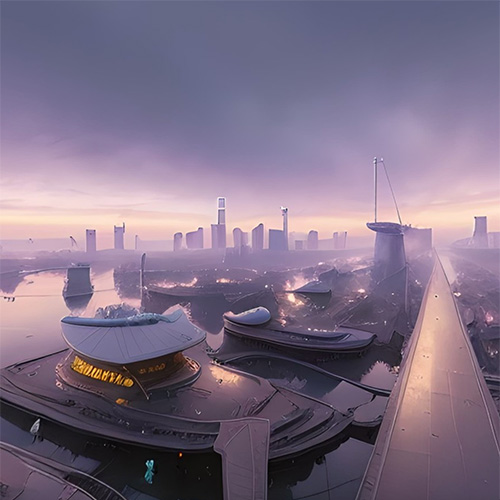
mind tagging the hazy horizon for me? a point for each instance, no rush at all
(145, 113)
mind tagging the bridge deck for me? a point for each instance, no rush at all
(440, 435)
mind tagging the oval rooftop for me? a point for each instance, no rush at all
(253, 317)
(128, 340)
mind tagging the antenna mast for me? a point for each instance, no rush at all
(375, 172)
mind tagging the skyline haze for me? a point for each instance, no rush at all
(147, 112)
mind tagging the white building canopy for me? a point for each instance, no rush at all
(129, 340)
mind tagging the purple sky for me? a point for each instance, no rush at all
(145, 112)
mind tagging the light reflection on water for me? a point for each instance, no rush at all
(30, 326)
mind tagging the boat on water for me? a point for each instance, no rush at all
(257, 326)
(128, 380)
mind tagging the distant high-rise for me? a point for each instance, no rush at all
(119, 232)
(240, 240)
(258, 238)
(237, 232)
(336, 240)
(284, 213)
(339, 240)
(244, 238)
(219, 229)
(177, 242)
(221, 210)
(194, 239)
(277, 240)
(343, 240)
(480, 235)
(218, 236)
(312, 240)
(299, 244)
(91, 245)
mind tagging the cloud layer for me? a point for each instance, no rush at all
(163, 106)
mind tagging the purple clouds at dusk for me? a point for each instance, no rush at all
(147, 111)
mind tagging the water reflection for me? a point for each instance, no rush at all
(30, 324)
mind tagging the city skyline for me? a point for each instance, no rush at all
(146, 113)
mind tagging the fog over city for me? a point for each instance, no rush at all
(147, 112)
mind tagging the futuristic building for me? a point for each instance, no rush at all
(127, 380)
(389, 256)
(312, 240)
(194, 239)
(177, 242)
(258, 238)
(119, 234)
(219, 229)
(90, 239)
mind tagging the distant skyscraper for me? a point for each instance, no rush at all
(119, 232)
(219, 229)
(221, 210)
(240, 241)
(91, 245)
(277, 240)
(194, 239)
(177, 242)
(258, 238)
(237, 232)
(312, 240)
(244, 238)
(343, 240)
(480, 235)
(284, 213)
(299, 244)
(339, 240)
(218, 236)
